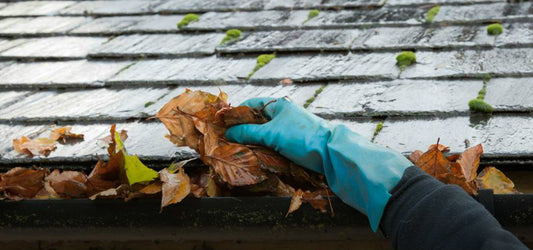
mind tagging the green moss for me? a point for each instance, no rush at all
(312, 14)
(486, 78)
(378, 129)
(482, 92)
(432, 13)
(480, 106)
(231, 35)
(494, 29)
(188, 19)
(405, 59)
(312, 98)
(262, 60)
(148, 104)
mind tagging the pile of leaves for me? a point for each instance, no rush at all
(199, 120)
(122, 176)
(461, 169)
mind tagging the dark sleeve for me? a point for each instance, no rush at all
(424, 213)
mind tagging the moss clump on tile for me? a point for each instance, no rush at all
(262, 60)
(378, 129)
(189, 18)
(148, 104)
(405, 59)
(231, 35)
(494, 29)
(312, 14)
(479, 104)
(315, 95)
(432, 13)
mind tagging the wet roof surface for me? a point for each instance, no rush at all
(93, 63)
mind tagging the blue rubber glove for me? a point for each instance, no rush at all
(357, 171)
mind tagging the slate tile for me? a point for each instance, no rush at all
(110, 7)
(294, 40)
(78, 72)
(61, 47)
(239, 93)
(365, 17)
(34, 8)
(6, 44)
(187, 70)
(9, 97)
(391, 37)
(352, 3)
(129, 24)
(39, 25)
(482, 12)
(515, 34)
(186, 6)
(400, 97)
(144, 139)
(330, 67)
(432, 2)
(456, 36)
(510, 94)
(497, 62)
(82, 105)
(287, 4)
(249, 20)
(499, 134)
(162, 44)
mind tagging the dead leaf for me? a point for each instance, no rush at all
(175, 187)
(316, 200)
(112, 193)
(492, 178)
(286, 81)
(22, 182)
(64, 135)
(415, 155)
(440, 147)
(469, 161)
(240, 115)
(296, 201)
(39, 146)
(69, 184)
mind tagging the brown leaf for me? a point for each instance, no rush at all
(492, 178)
(440, 147)
(435, 164)
(415, 155)
(296, 201)
(175, 187)
(64, 135)
(47, 192)
(69, 184)
(236, 165)
(316, 200)
(240, 115)
(39, 146)
(469, 161)
(22, 182)
(108, 140)
(104, 175)
(112, 193)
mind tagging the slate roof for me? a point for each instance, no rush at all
(93, 63)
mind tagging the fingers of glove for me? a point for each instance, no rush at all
(247, 134)
(273, 105)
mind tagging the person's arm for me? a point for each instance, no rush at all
(424, 213)
(413, 208)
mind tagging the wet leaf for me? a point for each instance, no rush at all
(111, 193)
(65, 135)
(492, 178)
(69, 184)
(296, 201)
(469, 161)
(29, 147)
(316, 200)
(175, 187)
(439, 147)
(240, 115)
(235, 164)
(415, 155)
(22, 182)
(136, 171)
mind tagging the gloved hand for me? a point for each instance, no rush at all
(359, 172)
